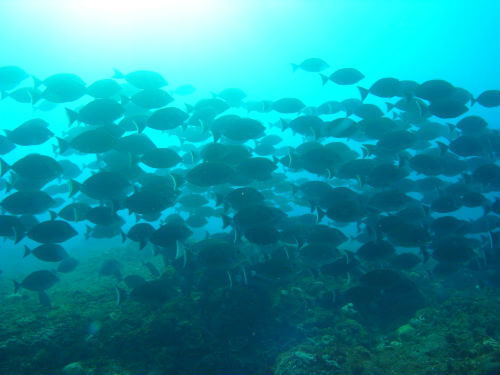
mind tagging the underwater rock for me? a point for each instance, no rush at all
(74, 368)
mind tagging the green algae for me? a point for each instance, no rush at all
(281, 330)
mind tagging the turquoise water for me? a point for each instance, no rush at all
(235, 317)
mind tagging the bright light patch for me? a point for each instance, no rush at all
(116, 20)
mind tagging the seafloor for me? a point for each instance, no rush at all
(272, 329)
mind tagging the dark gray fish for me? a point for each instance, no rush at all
(313, 65)
(262, 234)
(104, 88)
(260, 106)
(375, 250)
(105, 231)
(435, 89)
(427, 164)
(97, 112)
(317, 254)
(67, 265)
(135, 144)
(6, 145)
(257, 168)
(325, 234)
(473, 125)
(251, 216)
(37, 281)
(305, 125)
(147, 202)
(330, 107)
(404, 233)
(209, 174)
(453, 249)
(92, 141)
(390, 200)
(27, 202)
(155, 292)
(111, 267)
(233, 96)
(448, 107)
(405, 261)
(489, 98)
(469, 145)
(488, 175)
(143, 79)
(133, 281)
(167, 118)
(103, 186)
(36, 167)
(52, 231)
(141, 233)
(32, 132)
(102, 215)
(383, 88)
(47, 252)
(288, 105)
(345, 76)
(12, 227)
(63, 88)
(11, 76)
(343, 205)
(444, 225)
(70, 170)
(224, 153)
(368, 111)
(151, 98)
(167, 235)
(75, 212)
(192, 201)
(217, 254)
(26, 95)
(161, 158)
(240, 129)
(196, 221)
(240, 198)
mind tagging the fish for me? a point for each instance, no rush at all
(238, 193)
(30, 133)
(312, 65)
(344, 76)
(63, 88)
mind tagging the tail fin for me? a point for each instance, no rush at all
(295, 67)
(117, 74)
(324, 79)
(17, 286)
(390, 106)
(124, 236)
(27, 251)
(363, 92)
(226, 221)
(36, 81)
(219, 199)
(18, 235)
(74, 187)
(63, 145)
(72, 116)
(4, 167)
